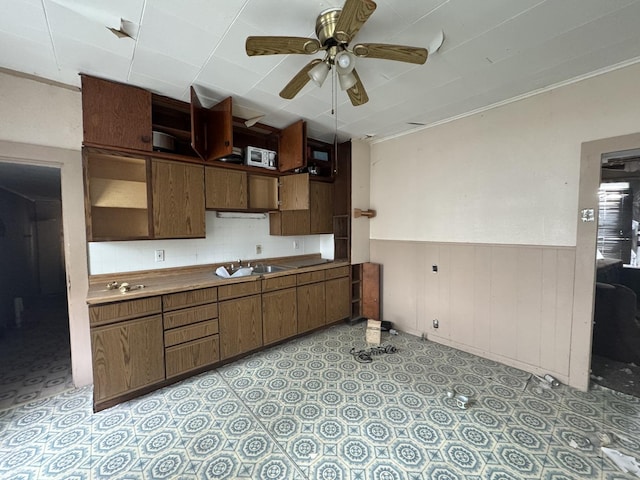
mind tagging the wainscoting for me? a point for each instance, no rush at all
(508, 303)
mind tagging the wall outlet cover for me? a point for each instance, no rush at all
(159, 255)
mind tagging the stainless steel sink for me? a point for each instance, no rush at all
(261, 269)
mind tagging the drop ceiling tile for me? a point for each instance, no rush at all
(26, 20)
(411, 10)
(23, 55)
(67, 24)
(86, 58)
(212, 16)
(297, 19)
(232, 49)
(158, 65)
(164, 32)
(156, 85)
(464, 20)
(228, 76)
(534, 27)
(128, 9)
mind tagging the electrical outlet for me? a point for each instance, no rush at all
(434, 268)
(296, 244)
(159, 255)
(258, 249)
(436, 324)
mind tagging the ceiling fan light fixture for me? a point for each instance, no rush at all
(319, 73)
(345, 62)
(347, 80)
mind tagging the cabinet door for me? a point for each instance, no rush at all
(291, 222)
(211, 129)
(279, 315)
(294, 192)
(321, 207)
(127, 356)
(311, 306)
(116, 115)
(178, 199)
(338, 302)
(225, 189)
(293, 147)
(371, 290)
(240, 323)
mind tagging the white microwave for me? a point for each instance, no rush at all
(260, 157)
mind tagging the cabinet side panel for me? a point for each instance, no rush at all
(371, 290)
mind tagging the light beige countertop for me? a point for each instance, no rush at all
(184, 279)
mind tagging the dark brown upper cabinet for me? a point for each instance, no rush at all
(293, 146)
(211, 128)
(116, 115)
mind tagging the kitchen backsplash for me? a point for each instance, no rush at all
(228, 239)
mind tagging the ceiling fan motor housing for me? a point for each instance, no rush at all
(326, 26)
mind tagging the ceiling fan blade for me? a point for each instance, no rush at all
(399, 53)
(300, 80)
(281, 45)
(357, 93)
(354, 14)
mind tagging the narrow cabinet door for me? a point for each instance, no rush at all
(338, 299)
(178, 199)
(279, 315)
(293, 147)
(240, 326)
(311, 306)
(211, 128)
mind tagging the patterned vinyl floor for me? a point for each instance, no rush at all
(307, 410)
(35, 359)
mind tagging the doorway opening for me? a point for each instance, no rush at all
(35, 353)
(615, 361)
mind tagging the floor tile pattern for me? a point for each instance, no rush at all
(35, 359)
(308, 410)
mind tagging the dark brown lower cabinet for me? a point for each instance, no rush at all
(311, 306)
(279, 315)
(127, 356)
(338, 306)
(240, 325)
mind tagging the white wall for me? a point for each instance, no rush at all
(360, 194)
(508, 175)
(42, 124)
(228, 239)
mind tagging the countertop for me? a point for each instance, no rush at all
(160, 284)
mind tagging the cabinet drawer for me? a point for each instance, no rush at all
(192, 355)
(190, 332)
(189, 299)
(114, 312)
(310, 277)
(278, 283)
(190, 315)
(337, 272)
(238, 290)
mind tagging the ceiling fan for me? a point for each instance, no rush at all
(335, 29)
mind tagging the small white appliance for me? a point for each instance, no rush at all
(260, 157)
